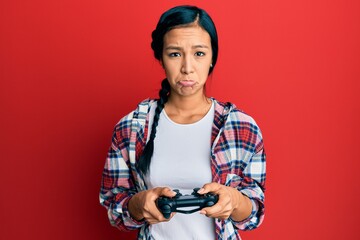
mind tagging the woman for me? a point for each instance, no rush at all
(185, 140)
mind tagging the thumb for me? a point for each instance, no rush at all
(167, 192)
(206, 188)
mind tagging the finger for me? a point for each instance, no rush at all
(210, 211)
(155, 216)
(222, 207)
(168, 192)
(209, 187)
(165, 191)
(215, 214)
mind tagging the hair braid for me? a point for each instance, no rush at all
(145, 159)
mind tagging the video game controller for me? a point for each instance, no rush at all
(168, 205)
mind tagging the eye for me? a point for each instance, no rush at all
(200, 54)
(174, 54)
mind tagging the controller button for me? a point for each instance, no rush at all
(209, 203)
(166, 207)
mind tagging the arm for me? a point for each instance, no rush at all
(117, 186)
(127, 207)
(253, 186)
(241, 199)
(240, 172)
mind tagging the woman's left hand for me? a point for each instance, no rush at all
(231, 203)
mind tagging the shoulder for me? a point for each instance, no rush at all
(230, 112)
(138, 114)
(140, 111)
(236, 122)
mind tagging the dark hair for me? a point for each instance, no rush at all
(180, 16)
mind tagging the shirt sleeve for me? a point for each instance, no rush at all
(117, 185)
(243, 146)
(252, 185)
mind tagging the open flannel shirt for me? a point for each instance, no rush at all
(237, 160)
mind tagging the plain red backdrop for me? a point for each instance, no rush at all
(70, 69)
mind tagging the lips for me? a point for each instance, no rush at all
(187, 83)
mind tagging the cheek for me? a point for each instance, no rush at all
(171, 69)
(205, 70)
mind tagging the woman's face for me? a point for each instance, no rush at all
(186, 58)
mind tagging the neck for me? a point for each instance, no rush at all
(187, 109)
(188, 103)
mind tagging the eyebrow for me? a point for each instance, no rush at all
(193, 47)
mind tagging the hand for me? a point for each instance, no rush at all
(142, 205)
(231, 203)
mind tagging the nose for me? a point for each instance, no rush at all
(187, 65)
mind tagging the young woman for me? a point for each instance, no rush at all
(184, 140)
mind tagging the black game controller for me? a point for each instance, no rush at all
(168, 205)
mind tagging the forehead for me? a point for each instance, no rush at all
(193, 34)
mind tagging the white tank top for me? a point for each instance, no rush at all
(181, 160)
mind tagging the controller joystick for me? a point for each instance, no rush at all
(178, 194)
(195, 192)
(168, 205)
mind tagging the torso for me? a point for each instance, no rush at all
(181, 160)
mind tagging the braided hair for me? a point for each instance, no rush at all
(179, 16)
(144, 162)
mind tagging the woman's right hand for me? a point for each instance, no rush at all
(142, 205)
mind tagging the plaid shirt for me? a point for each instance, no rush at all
(237, 160)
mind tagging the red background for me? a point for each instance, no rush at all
(71, 69)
